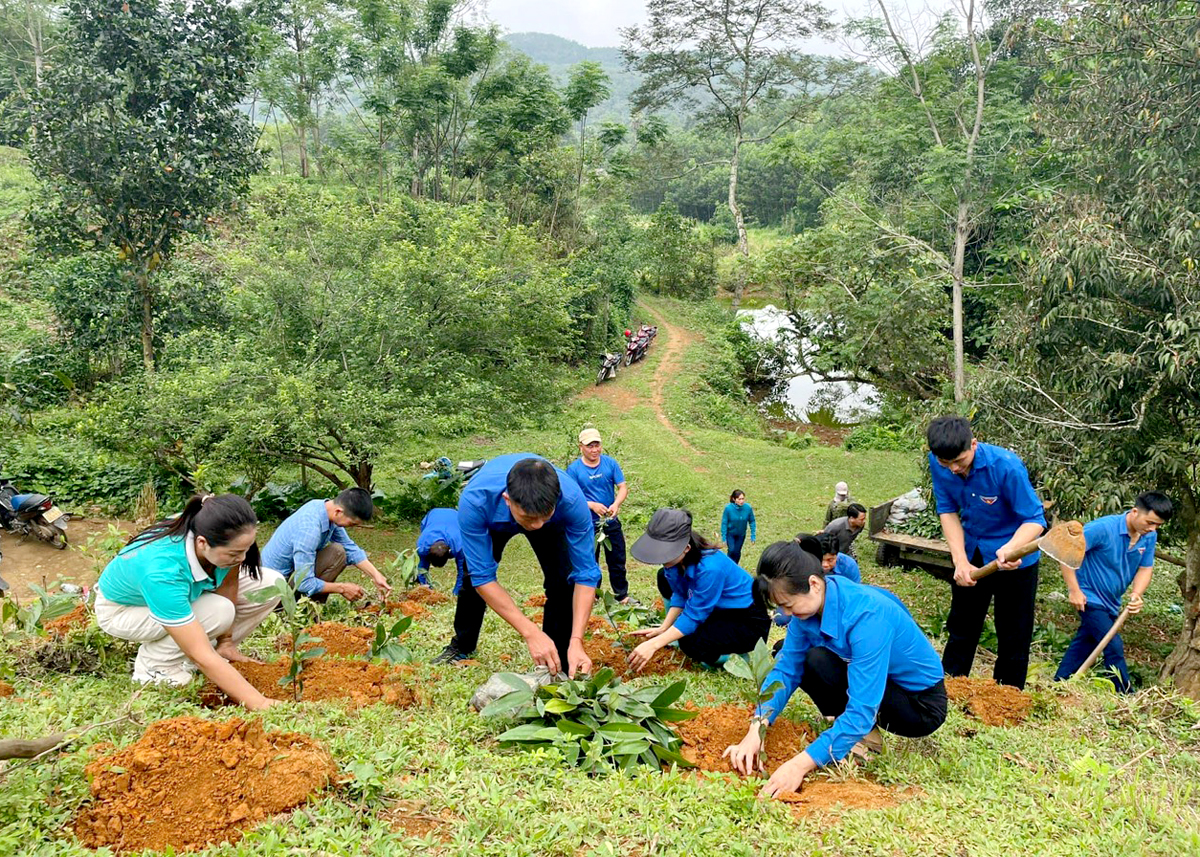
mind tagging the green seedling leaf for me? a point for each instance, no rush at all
(508, 703)
(738, 667)
(622, 729)
(672, 757)
(672, 693)
(573, 728)
(515, 682)
(675, 715)
(559, 706)
(312, 653)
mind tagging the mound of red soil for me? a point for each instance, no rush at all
(706, 736)
(605, 653)
(994, 704)
(407, 608)
(536, 601)
(336, 639)
(6, 689)
(594, 623)
(64, 625)
(359, 682)
(823, 796)
(189, 783)
(425, 595)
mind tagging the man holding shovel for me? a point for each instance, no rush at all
(988, 510)
(1119, 556)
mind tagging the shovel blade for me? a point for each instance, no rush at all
(1064, 543)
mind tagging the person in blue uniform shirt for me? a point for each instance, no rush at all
(988, 508)
(738, 515)
(525, 494)
(856, 651)
(439, 541)
(825, 547)
(1119, 556)
(603, 484)
(712, 611)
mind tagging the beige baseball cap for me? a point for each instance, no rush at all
(589, 435)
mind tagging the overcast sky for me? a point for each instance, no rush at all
(595, 23)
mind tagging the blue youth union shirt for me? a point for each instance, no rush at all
(870, 629)
(483, 511)
(599, 483)
(441, 525)
(993, 501)
(1110, 563)
(847, 566)
(715, 581)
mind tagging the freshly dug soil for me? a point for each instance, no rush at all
(594, 623)
(821, 796)
(360, 682)
(189, 783)
(604, 653)
(994, 704)
(337, 639)
(425, 595)
(408, 608)
(6, 689)
(705, 737)
(63, 625)
(536, 601)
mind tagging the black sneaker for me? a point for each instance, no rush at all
(451, 655)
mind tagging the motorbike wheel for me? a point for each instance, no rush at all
(600, 377)
(55, 536)
(628, 358)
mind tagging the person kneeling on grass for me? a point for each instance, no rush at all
(856, 651)
(180, 589)
(713, 611)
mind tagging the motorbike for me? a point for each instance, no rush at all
(638, 343)
(448, 473)
(32, 514)
(608, 367)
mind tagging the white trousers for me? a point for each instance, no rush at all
(215, 613)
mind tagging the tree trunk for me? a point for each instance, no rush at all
(961, 229)
(302, 136)
(1183, 664)
(142, 277)
(743, 243)
(363, 470)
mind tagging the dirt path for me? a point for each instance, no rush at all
(673, 342)
(31, 560)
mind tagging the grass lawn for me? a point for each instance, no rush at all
(1088, 773)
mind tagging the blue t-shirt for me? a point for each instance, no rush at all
(847, 566)
(870, 629)
(715, 581)
(734, 520)
(441, 525)
(294, 546)
(163, 575)
(599, 483)
(992, 501)
(1109, 563)
(483, 511)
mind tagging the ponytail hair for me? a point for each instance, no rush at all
(219, 518)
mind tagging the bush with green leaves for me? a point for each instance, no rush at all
(883, 436)
(598, 723)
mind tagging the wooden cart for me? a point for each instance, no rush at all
(901, 549)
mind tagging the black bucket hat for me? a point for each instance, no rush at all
(667, 536)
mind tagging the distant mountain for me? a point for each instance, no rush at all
(559, 54)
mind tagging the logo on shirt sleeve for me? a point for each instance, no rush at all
(989, 500)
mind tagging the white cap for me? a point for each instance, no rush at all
(841, 491)
(589, 435)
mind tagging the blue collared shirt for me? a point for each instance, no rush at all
(870, 629)
(1109, 563)
(482, 511)
(441, 525)
(993, 501)
(599, 483)
(847, 566)
(715, 581)
(295, 544)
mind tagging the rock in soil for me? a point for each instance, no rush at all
(189, 783)
(994, 704)
(359, 682)
(706, 736)
(64, 625)
(425, 595)
(6, 689)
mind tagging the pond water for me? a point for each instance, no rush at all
(806, 397)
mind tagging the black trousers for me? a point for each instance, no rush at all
(911, 713)
(1015, 594)
(550, 547)
(614, 558)
(726, 631)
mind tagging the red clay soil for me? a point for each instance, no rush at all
(994, 704)
(6, 689)
(409, 608)
(64, 625)
(706, 736)
(594, 623)
(604, 653)
(822, 796)
(425, 595)
(359, 682)
(189, 783)
(536, 601)
(336, 639)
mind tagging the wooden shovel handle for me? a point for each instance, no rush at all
(1099, 650)
(1019, 553)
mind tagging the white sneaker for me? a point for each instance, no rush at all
(176, 678)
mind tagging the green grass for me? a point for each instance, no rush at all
(1090, 773)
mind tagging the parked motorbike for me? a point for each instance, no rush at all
(638, 343)
(32, 514)
(608, 367)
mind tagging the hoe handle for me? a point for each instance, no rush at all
(1099, 650)
(1019, 553)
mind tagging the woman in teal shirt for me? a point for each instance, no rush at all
(179, 588)
(737, 515)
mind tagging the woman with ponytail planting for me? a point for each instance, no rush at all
(179, 588)
(856, 651)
